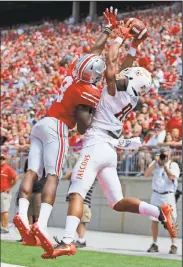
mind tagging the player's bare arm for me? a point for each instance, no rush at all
(127, 62)
(84, 115)
(110, 17)
(100, 43)
(111, 66)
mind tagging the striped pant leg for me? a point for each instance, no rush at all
(55, 149)
(35, 158)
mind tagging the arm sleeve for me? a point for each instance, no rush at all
(175, 170)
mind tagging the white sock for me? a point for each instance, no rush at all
(23, 207)
(155, 243)
(71, 226)
(82, 240)
(44, 214)
(148, 209)
(174, 242)
(23, 210)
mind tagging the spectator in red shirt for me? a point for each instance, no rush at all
(8, 179)
(175, 122)
(174, 29)
(144, 60)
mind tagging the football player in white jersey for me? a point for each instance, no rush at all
(98, 157)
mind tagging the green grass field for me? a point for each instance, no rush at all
(16, 253)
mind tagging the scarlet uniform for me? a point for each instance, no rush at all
(49, 137)
(73, 93)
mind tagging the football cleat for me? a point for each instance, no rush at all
(78, 244)
(25, 233)
(44, 241)
(61, 249)
(168, 221)
(38, 243)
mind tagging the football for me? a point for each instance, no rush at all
(139, 30)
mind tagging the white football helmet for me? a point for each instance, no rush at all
(139, 80)
(90, 68)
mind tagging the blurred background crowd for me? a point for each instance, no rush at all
(35, 59)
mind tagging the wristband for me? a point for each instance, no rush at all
(132, 51)
(119, 40)
(107, 30)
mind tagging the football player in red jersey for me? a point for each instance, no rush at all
(75, 104)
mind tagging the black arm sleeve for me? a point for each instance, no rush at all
(122, 84)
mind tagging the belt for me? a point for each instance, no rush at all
(113, 135)
(163, 193)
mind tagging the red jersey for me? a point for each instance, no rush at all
(73, 93)
(7, 176)
(174, 123)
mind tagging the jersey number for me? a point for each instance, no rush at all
(124, 112)
(65, 84)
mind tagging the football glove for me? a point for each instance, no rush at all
(110, 18)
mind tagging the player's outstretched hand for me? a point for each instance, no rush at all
(124, 32)
(110, 18)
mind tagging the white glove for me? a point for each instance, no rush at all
(129, 144)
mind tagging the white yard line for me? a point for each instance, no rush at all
(10, 265)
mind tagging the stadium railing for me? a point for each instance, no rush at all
(129, 162)
(173, 92)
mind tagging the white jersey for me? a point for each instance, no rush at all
(110, 114)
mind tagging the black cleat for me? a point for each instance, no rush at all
(153, 248)
(78, 244)
(173, 249)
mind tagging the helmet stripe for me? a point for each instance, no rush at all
(80, 70)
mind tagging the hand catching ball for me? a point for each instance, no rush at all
(137, 28)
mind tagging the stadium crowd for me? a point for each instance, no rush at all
(35, 60)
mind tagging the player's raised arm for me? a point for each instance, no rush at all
(112, 23)
(111, 65)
